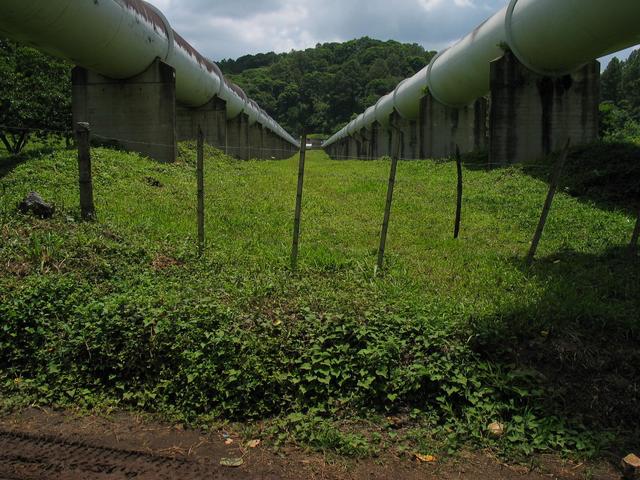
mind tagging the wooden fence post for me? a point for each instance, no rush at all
(387, 208)
(456, 230)
(298, 214)
(633, 246)
(200, 180)
(87, 207)
(553, 187)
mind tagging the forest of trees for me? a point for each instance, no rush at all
(35, 93)
(620, 90)
(322, 88)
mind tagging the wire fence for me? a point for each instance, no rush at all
(115, 140)
(445, 160)
(229, 149)
(35, 130)
(84, 138)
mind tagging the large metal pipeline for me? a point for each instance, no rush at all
(121, 39)
(550, 37)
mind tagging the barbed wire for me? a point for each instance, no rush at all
(33, 129)
(443, 161)
(269, 150)
(111, 139)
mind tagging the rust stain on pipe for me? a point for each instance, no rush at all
(149, 14)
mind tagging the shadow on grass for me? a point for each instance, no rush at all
(606, 174)
(8, 162)
(580, 339)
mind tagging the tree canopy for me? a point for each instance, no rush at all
(35, 93)
(621, 98)
(321, 88)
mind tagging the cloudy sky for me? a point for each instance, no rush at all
(232, 28)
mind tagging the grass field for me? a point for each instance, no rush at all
(454, 334)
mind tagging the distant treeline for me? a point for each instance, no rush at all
(621, 99)
(322, 88)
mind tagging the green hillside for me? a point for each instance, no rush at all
(456, 334)
(321, 88)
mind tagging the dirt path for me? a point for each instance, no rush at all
(37, 457)
(46, 445)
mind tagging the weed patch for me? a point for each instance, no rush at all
(454, 336)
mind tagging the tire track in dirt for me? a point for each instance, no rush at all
(34, 457)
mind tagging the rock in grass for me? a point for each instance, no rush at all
(496, 429)
(631, 467)
(33, 203)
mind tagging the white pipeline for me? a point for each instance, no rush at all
(121, 39)
(550, 37)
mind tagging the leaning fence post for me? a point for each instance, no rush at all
(83, 135)
(387, 208)
(553, 187)
(298, 215)
(633, 246)
(200, 181)
(456, 231)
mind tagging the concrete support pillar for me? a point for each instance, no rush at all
(354, 147)
(351, 148)
(256, 132)
(273, 146)
(366, 144)
(408, 132)
(237, 144)
(381, 140)
(330, 150)
(340, 149)
(443, 128)
(267, 144)
(137, 114)
(532, 115)
(212, 118)
(281, 146)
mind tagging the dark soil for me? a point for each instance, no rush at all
(42, 444)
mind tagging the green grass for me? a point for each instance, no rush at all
(453, 335)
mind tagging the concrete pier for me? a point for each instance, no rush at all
(256, 139)
(212, 118)
(405, 131)
(381, 138)
(238, 137)
(532, 115)
(137, 114)
(367, 144)
(444, 128)
(435, 134)
(527, 116)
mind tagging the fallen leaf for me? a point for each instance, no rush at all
(232, 462)
(228, 441)
(253, 443)
(426, 458)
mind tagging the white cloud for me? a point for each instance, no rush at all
(232, 28)
(429, 5)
